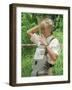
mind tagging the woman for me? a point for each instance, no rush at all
(48, 48)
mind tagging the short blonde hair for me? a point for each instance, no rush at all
(49, 22)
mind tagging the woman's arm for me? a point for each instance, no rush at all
(31, 31)
(52, 55)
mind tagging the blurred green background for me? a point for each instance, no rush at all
(29, 20)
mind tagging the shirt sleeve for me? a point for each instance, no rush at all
(55, 46)
(35, 38)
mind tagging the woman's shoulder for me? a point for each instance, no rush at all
(55, 41)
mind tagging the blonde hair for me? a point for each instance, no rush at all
(49, 22)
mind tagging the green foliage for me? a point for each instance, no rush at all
(59, 23)
(58, 67)
(27, 59)
(29, 20)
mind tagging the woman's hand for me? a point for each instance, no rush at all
(42, 39)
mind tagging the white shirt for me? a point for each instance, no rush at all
(53, 44)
